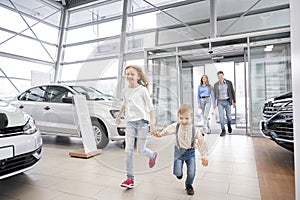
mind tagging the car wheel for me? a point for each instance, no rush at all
(100, 134)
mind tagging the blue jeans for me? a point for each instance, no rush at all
(224, 104)
(205, 106)
(187, 156)
(139, 130)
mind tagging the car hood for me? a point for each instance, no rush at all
(108, 104)
(14, 115)
(284, 96)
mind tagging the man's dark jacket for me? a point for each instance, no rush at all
(230, 91)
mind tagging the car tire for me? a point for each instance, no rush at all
(100, 134)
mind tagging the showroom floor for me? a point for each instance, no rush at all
(231, 175)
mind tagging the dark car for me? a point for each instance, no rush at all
(277, 122)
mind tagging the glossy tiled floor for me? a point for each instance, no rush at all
(231, 174)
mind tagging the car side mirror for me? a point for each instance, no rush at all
(3, 120)
(67, 100)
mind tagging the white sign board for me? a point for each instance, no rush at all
(38, 78)
(85, 124)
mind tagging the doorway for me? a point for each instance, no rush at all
(259, 70)
(235, 70)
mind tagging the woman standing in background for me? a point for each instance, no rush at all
(205, 97)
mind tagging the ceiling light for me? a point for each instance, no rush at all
(217, 57)
(268, 48)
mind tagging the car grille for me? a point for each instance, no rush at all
(284, 107)
(272, 107)
(11, 131)
(284, 131)
(17, 163)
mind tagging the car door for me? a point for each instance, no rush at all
(32, 102)
(59, 115)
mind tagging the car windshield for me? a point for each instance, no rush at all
(92, 93)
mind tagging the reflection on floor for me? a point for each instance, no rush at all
(232, 173)
(275, 167)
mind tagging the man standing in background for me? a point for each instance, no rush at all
(225, 97)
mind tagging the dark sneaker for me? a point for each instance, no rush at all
(152, 160)
(229, 129)
(223, 133)
(179, 177)
(128, 183)
(189, 189)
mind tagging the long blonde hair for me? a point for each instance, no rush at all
(143, 78)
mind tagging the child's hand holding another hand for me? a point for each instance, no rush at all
(157, 134)
(204, 162)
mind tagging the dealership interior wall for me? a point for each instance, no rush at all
(295, 5)
(90, 42)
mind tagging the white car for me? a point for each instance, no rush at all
(51, 107)
(20, 141)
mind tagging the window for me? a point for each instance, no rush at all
(57, 93)
(94, 14)
(34, 94)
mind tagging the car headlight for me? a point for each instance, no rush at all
(29, 127)
(114, 114)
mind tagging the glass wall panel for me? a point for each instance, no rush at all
(70, 72)
(92, 50)
(96, 13)
(139, 62)
(138, 5)
(4, 36)
(183, 34)
(43, 32)
(37, 9)
(139, 42)
(187, 13)
(170, 17)
(270, 75)
(19, 72)
(22, 69)
(241, 71)
(8, 91)
(14, 18)
(19, 46)
(187, 87)
(198, 72)
(162, 74)
(268, 20)
(51, 16)
(93, 74)
(102, 30)
(225, 7)
(138, 22)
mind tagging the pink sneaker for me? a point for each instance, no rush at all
(152, 160)
(128, 183)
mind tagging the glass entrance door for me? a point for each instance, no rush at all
(270, 76)
(163, 79)
(234, 71)
(176, 78)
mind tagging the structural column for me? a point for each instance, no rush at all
(213, 18)
(61, 41)
(122, 47)
(295, 54)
